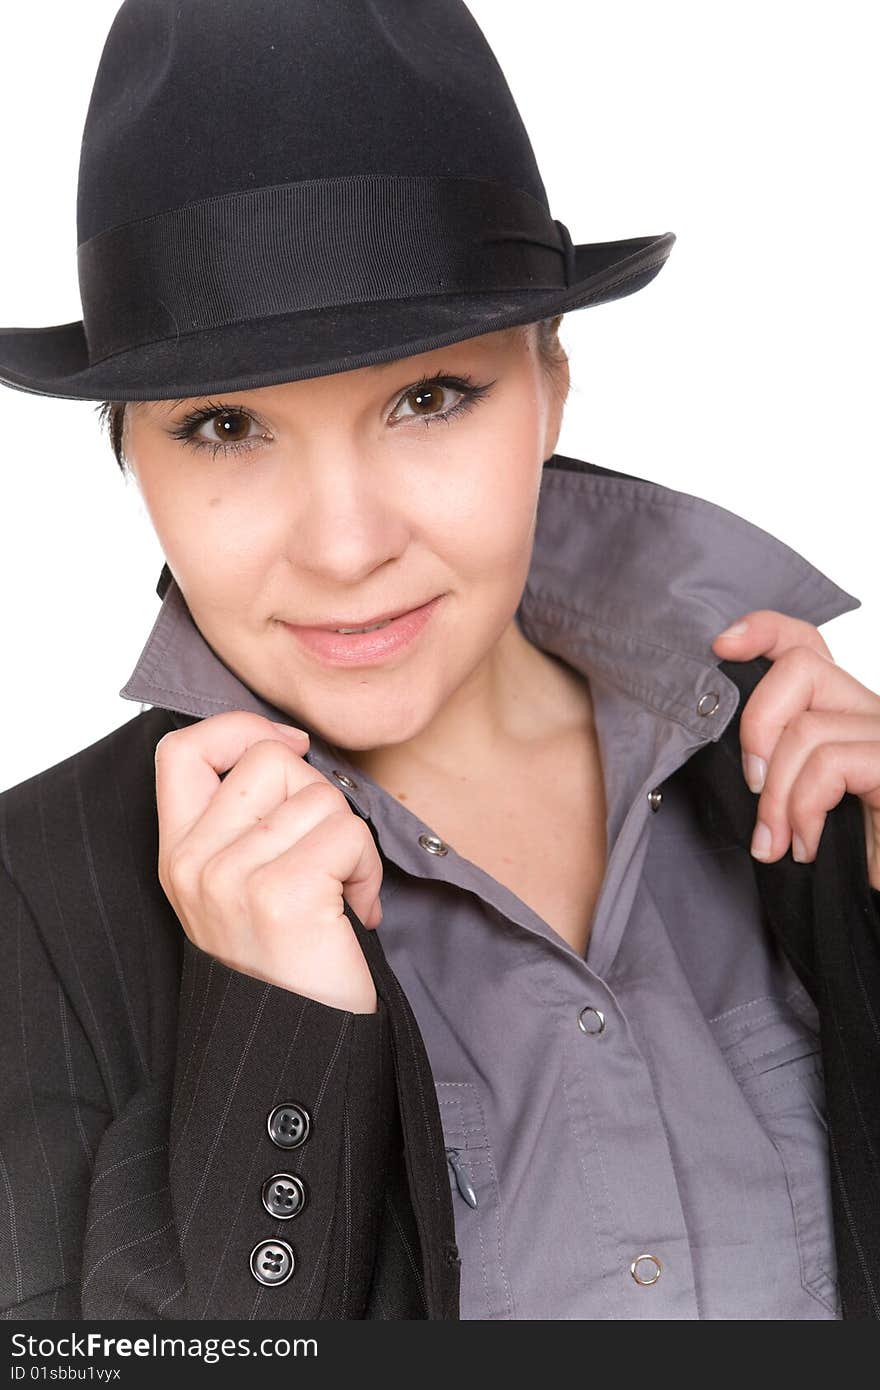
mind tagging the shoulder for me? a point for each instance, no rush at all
(107, 783)
(78, 857)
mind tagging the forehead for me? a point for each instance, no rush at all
(484, 345)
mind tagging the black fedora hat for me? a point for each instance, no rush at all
(282, 189)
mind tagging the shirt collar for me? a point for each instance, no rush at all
(629, 582)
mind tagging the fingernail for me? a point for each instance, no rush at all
(735, 630)
(798, 851)
(762, 840)
(290, 730)
(755, 770)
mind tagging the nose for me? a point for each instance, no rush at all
(346, 524)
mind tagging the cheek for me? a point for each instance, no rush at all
(489, 513)
(215, 546)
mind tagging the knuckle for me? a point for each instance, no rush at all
(182, 870)
(359, 834)
(799, 808)
(266, 898)
(327, 796)
(163, 876)
(270, 751)
(163, 744)
(823, 760)
(800, 657)
(805, 728)
(214, 880)
(346, 822)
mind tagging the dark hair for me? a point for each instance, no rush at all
(550, 351)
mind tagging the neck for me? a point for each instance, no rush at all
(516, 702)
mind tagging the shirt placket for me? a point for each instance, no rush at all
(633, 1241)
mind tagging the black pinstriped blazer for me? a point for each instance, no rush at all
(137, 1073)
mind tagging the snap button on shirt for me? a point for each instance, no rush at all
(645, 1269)
(708, 703)
(272, 1262)
(433, 844)
(283, 1195)
(591, 1020)
(288, 1125)
(345, 780)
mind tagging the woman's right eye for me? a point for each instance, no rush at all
(231, 421)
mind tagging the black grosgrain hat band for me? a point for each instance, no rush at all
(311, 244)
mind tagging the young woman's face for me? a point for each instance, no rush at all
(335, 500)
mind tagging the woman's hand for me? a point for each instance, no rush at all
(257, 865)
(809, 733)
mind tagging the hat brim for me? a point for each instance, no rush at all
(54, 361)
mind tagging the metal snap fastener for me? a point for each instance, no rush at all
(283, 1195)
(345, 780)
(288, 1125)
(433, 844)
(708, 703)
(655, 797)
(591, 1020)
(650, 1272)
(272, 1261)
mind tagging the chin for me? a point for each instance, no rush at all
(360, 731)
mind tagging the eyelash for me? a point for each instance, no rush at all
(185, 431)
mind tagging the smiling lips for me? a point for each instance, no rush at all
(343, 625)
(369, 645)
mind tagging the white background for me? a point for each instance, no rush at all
(746, 372)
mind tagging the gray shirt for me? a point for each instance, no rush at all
(637, 1133)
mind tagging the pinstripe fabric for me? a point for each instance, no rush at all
(138, 1073)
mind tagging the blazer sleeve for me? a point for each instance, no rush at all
(160, 1204)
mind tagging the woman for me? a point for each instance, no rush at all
(424, 971)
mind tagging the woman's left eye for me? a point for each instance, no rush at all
(428, 393)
